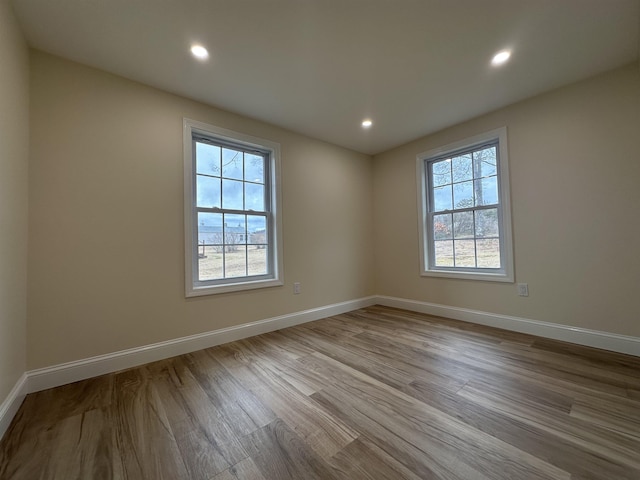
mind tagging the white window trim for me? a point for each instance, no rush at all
(507, 273)
(191, 290)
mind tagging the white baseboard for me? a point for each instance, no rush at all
(49, 377)
(9, 407)
(57, 375)
(581, 336)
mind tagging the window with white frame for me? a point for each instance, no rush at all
(465, 218)
(232, 222)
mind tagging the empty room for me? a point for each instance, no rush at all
(320, 239)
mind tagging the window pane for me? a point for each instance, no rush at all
(235, 261)
(443, 253)
(463, 195)
(465, 251)
(254, 197)
(463, 225)
(235, 231)
(441, 173)
(207, 159)
(209, 246)
(485, 162)
(487, 223)
(231, 163)
(257, 229)
(210, 228)
(488, 253)
(209, 263)
(442, 227)
(207, 192)
(257, 259)
(232, 195)
(462, 167)
(253, 168)
(486, 191)
(442, 198)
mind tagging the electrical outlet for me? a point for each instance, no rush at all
(523, 289)
(297, 288)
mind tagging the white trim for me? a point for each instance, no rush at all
(9, 407)
(61, 374)
(57, 375)
(275, 242)
(581, 336)
(506, 274)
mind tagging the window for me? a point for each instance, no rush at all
(232, 223)
(465, 221)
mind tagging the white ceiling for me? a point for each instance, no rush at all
(319, 67)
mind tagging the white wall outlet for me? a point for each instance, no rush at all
(523, 289)
(297, 288)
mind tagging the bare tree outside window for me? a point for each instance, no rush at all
(465, 227)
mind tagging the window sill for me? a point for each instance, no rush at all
(478, 276)
(199, 291)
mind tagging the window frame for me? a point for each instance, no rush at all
(425, 199)
(240, 141)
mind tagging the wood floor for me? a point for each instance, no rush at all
(378, 393)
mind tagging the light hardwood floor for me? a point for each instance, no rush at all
(378, 393)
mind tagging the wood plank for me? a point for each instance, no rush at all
(373, 365)
(590, 437)
(25, 435)
(244, 470)
(434, 432)
(143, 434)
(243, 411)
(490, 364)
(321, 431)
(206, 441)
(82, 447)
(557, 451)
(282, 365)
(280, 454)
(363, 459)
(621, 418)
(420, 463)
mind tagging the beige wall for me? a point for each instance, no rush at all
(106, 264)
(14, 153)
(575, 173)
(106, 238)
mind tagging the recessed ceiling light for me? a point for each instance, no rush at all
(501, 58)
(199, 52)
(366, 123)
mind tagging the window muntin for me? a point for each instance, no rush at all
(464, 204)
(230, 211)
(232, 207)
(464, 209)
